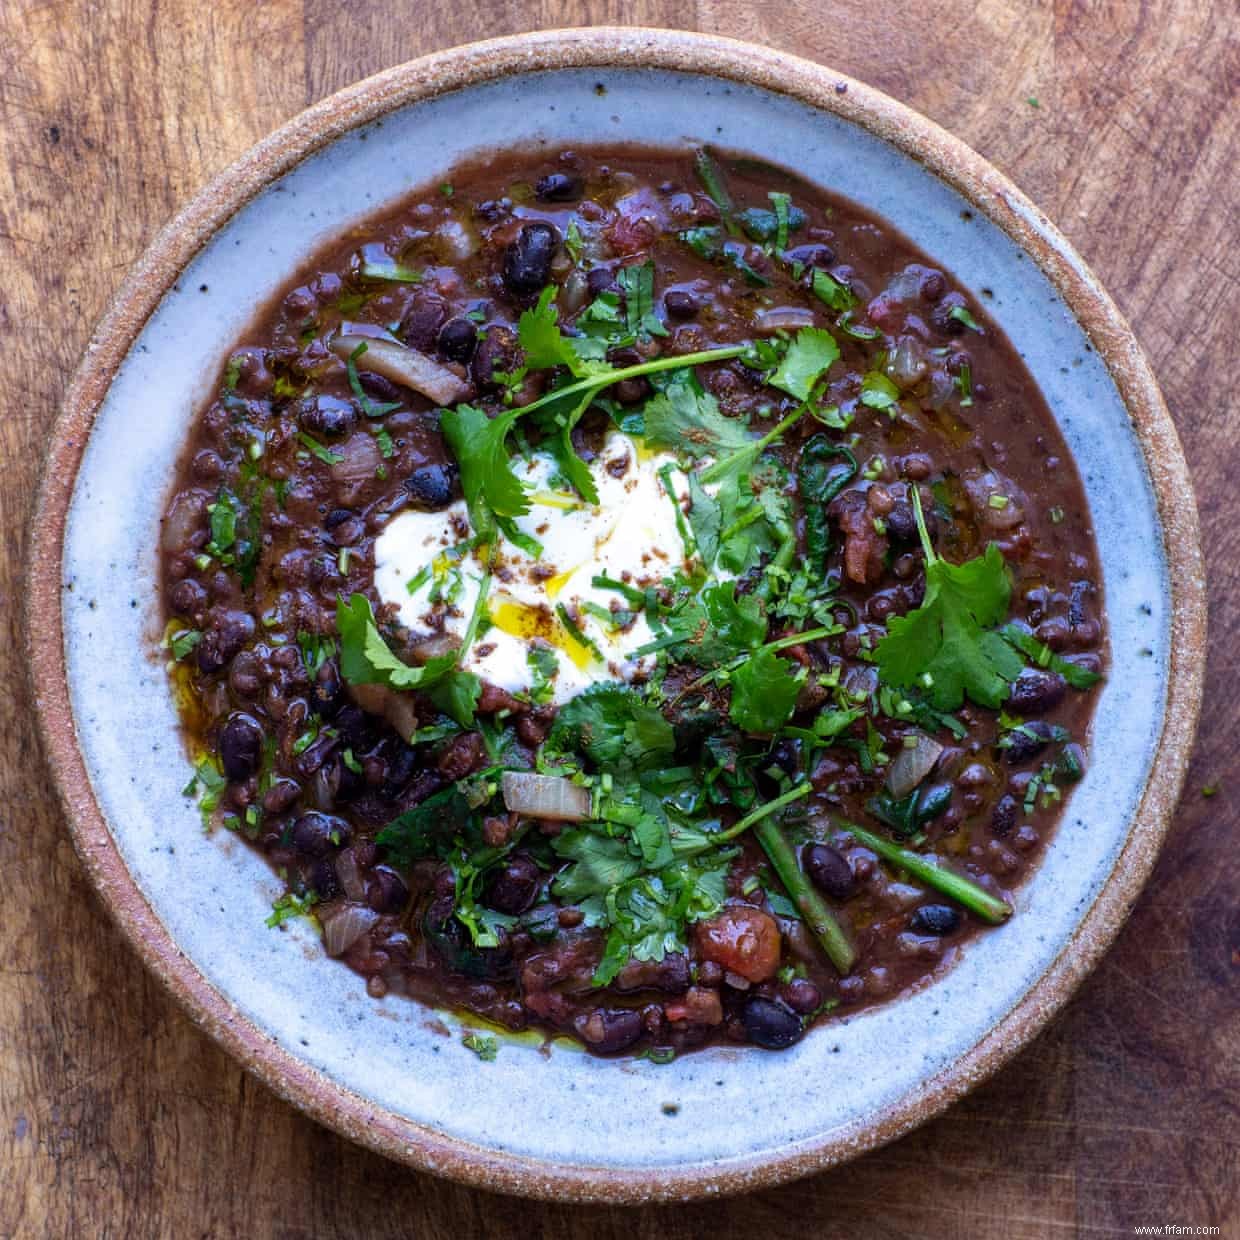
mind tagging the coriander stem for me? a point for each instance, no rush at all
(820, 919)
(593, 383)
(720, 467)
(923, 533)
(976, 899)
(763, 811)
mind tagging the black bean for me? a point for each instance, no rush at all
(770, 1023)
(558, 187)
(829, 871)
(802, 996)
(680, 304)
(324, 880)
(814, 255)
(901, 524)
(280, 796)
(786, 755)
(670, 975)
(224, 639)
(499, 351)
(941, 316)
(515, 887)
(619, 1027)
(1027, 741)
(933, 286)
(315, 834)
(188, 598)
(1034, 692)
(344, 528)
(378, 386)
(423, 319)
(527, 261)
(327, 690)
(1004, 818)
(432, 487)
(631, 391)
(936, 919)
(386, 891)
(241, 746)
(326, 415)
(458, 338)
(601, 280)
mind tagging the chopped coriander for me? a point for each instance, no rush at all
(289, 906)
(962, 315)
(483, 1045)
(326, 455)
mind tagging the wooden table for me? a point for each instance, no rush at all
(117, 1118)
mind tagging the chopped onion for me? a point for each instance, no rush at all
(406, 366)
(782, 318)
(184, 520)
(911, 765)
(395, 707)
(545, 796)
(350, 876)
(908, 363)
(345, 926)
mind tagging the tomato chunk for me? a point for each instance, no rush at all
(742, 940)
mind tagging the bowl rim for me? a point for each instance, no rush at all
(817, 86)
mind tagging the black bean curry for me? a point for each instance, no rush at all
(727, 791)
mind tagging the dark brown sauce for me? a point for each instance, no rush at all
(326, 482)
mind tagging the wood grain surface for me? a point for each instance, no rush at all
(118, 1119)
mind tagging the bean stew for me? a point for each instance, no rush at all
(635, 595)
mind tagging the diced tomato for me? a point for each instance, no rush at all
(742, 940)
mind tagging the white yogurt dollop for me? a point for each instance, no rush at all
(632, 535)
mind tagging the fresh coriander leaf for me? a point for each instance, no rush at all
(637, 282)
(908, 815)
(942, 646)
(709, 243)
(601, 862)
(546, 346)
(366, 659)
(417, 831)
(833, 292)
(856, 331)
(684, 416)
(1041, 655)
(716, 626)
(824, 469)
(877, 391)
(614, 727)
(810, 355)
(573, 241)
(479, 444)
(456, 696)
(764, 693)
(704, 521)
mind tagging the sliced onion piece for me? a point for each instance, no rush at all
(911, 765)
(345, 926)
(406, 366)
(782, 318)
(545, 796)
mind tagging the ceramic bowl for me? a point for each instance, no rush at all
(560, 1123)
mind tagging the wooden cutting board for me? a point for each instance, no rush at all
(1122, 120)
